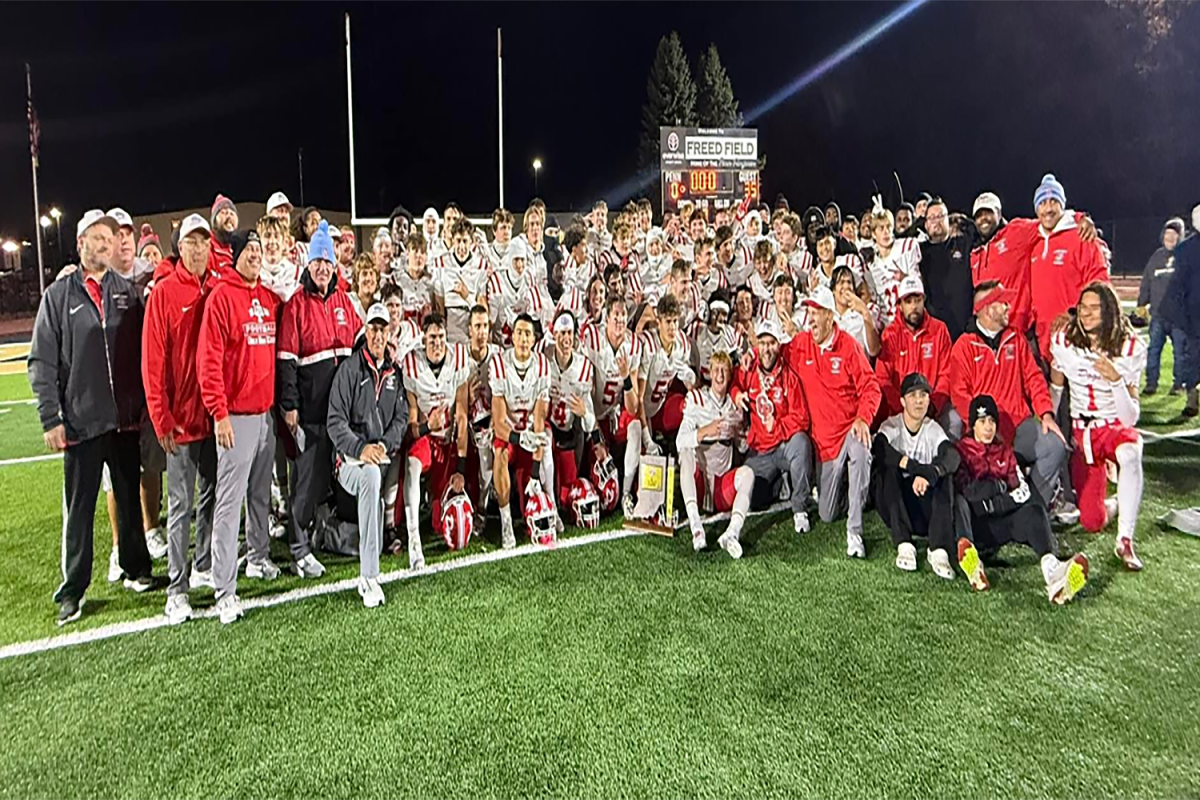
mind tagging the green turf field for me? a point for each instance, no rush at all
(628, 668)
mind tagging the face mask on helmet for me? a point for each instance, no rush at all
(458, 519)
(585, 504)
(605, 483)
(540, 517)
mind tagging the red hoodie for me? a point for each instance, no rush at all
(170, 336)
(237, 348)
(903, 350)
(1008, 373)
(779, 396)
(838, 384)
(1059, 269)
(220, 258)
(1005, 258)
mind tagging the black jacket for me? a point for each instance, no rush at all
(1156, 278)
(1181, 305)
(87, 373)
(949, 288)
(367, 405)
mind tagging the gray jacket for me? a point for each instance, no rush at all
(367, 405)
(86, 372)
(1156, 278)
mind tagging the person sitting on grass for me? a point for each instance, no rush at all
(914, 485)
(995, 506)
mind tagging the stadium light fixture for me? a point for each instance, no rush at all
(55, 213)
(10, 246)
(537, 167)
(45, 221)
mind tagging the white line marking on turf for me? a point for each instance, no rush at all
(17, 402)
(8, 462)
(159, 621)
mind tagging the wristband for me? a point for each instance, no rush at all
(628, 383)
(594, 436)
(461, 469)
(422, 429)
(514, 438)
(535, 473)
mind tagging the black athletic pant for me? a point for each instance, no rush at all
(906, 514)
(1028, 524)
(83, 465)
(314, 478)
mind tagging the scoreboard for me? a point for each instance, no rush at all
(712, 168)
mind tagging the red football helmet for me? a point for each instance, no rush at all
(605, 483)
(458, 519)
(540, 515)
(584, 504)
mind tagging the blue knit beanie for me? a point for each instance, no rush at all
(1048, 189)
(320, 246)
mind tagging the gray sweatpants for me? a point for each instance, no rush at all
(793, 457)
(365, 482)
(844, 483)
(951, 422)
(243, 473)
(191, 462)
(1045, 452)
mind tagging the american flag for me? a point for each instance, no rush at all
(35, 127)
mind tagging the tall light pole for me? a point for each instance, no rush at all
(56, 215)
(537, 167)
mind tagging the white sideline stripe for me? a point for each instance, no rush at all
(349, 584)
(1186, 437)
(782, 505)
(17, 402)
(8, 462)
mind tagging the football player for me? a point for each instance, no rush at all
(572, 415)
(715, 336)
(610, 348)
(459, 280)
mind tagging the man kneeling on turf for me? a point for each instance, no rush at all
(366, 421)
(994, 506)
(711, 422)
(913, 485)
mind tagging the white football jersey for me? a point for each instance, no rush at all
(447, 273)
(416, 294)
(479, 391)
(702, 408)
(404, 340)
(801, 263)
(510, 294)
(738, 270)
(521, 388)
(707, 287)
(535, 261)
(885, 274)
(764, 288)
(437, 390)
(608, 393)
(495, 254)
(576, 275)
(653, 275)
(853, 323)
(692, 309)
(657, 368)
(575, 380)
(817, 276)
(705, 343)
(1092, 394)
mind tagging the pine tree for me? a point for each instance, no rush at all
(716, 107)
(670, 96)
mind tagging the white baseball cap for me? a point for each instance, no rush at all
(821, 297)
(122, 217)
(194, 222)
(910, 285)
(335, 232)
(276, 200)
(91, 218)
(767, 327)
(378, 313)
(987, 200)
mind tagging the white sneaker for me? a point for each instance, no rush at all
(179, 609)
(507, 539)
(699, 539)
(1064, 579)
(139, 585)
(730, 544)
(1066, 513)
(277, 530)
(627, 506)
(307, 567)
(854, 546)
(265, 569)
(906, 557)
(201, 578)
(156, 544)
(229, 609)
(800, 519)
(371, 592)
(114, 566)
(939, 561)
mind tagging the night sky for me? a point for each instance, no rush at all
(158, 107)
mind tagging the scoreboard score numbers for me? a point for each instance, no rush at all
(713, 168)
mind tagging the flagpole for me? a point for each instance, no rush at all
(500, 116)
(33, 159)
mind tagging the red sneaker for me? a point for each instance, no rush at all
(971, 565)
(1124, 551)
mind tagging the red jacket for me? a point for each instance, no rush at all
(316, 333)
(170, 337)
(838, 384)
(782, 398)
(903, 350)
(1009, 374)
(1060, 266)
(220, 258)
(980, 461)
(237, 348)
(1005, 258)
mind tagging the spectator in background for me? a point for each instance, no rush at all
(85, 371)
(303, 227)
(346, 251)
(148, 247)
(224, 221)
(1181, 307)
(317, 329)
(1155, 280)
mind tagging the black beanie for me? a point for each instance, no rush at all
(982, 406)
(240, 240)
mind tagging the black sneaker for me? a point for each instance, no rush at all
(139, 585)
(1150, 390)
(69, 610)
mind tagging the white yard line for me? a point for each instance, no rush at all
(9, 462)
(317, 590)
(18, 402)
